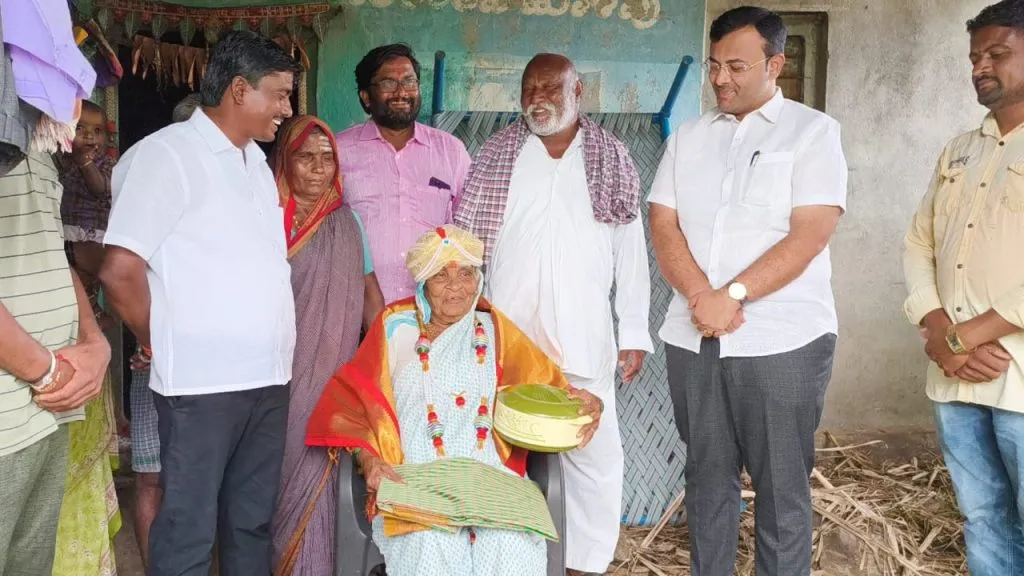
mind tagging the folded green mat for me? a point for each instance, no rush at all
(452, 493)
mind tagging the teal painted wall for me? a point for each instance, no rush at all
(627, 69)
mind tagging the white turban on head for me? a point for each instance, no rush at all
(438, 247)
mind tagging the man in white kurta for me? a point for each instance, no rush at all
(554, 260)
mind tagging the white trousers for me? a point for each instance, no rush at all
(593, 487)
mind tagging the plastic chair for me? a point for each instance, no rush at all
(357, 555)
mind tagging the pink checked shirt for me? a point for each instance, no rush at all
(400, 195)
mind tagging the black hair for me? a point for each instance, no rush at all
(1007, 14)
(768, 24)
(93, 107)
(246, 54)
(379, 56)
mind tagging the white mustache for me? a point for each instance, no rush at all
(547, 107)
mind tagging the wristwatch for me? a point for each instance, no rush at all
(738, 292)
(953, 341)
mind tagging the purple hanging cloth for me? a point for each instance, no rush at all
(50, 72)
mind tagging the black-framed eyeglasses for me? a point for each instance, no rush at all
(390, 84)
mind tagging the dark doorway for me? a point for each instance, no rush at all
(144, 106)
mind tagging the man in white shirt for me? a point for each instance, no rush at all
(742, 209)
(556, 200)
(197, 269)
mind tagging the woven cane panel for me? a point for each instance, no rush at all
(655, 456)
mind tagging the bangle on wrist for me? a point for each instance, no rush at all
(47, 380)
(58, 373)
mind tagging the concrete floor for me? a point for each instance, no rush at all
(897, 446)
(126, 550)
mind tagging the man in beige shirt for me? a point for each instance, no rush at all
(964, 266)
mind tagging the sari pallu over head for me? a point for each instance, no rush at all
(294, 133)
(357, 409)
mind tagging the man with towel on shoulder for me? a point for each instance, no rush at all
(556, 200)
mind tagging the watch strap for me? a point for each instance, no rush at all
(954, 342)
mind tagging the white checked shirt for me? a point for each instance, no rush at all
(734, 185)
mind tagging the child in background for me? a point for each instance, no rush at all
(85, 208)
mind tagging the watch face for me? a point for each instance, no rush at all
(737, 291)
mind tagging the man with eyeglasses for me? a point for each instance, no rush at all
(402, 177)
(742, 209)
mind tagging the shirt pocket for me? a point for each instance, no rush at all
(950, 191)
(431, 205)
(770, 181)
(1012, 200)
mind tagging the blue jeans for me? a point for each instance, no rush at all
(984, 451)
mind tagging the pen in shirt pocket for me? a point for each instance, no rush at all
(753, 159)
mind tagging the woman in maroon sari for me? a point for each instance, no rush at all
(336, 294)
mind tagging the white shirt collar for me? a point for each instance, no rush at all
(770, 110)
(219, 142)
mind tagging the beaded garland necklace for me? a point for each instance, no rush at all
(435, 428)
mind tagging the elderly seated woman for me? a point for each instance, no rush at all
(422, 386)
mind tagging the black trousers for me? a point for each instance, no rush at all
(221, 468)
(759, 412)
